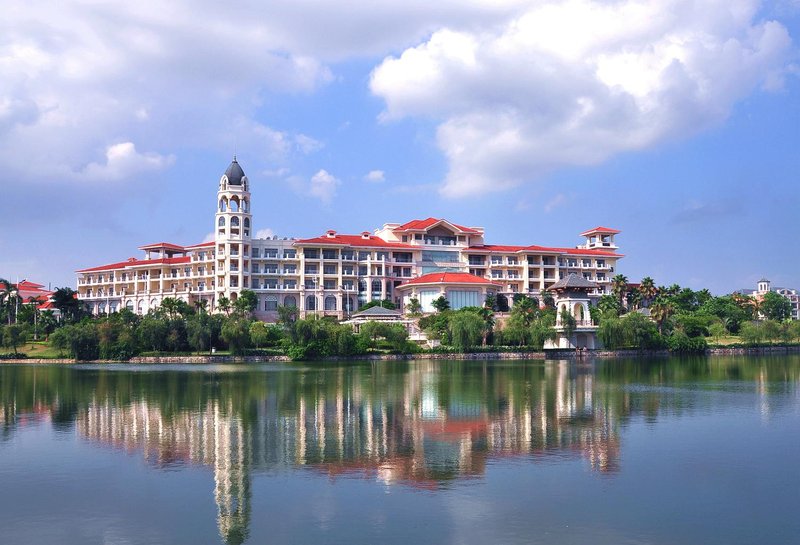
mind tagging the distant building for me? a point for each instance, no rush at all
(765, 286)
(335, 274)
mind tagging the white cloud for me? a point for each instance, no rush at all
(265, 233)
(574, 82)
(306, 144)
(323, 186)
(375, 176)
(555, 202)
(123, 161)
(210, 237)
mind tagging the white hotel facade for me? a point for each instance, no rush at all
(335, 274)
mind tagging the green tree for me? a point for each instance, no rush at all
(466, 329)
(441, 304)
(609, 304)
(287, 315)
(383, 303)
(660, 311)
(619, 287)
(13, 336)
(236, 333)
(717, 331)
(775, 306)
(152, 333)
(648, 290)
(568, 323)
(414, 308)
(67, 302)
(224, 305)
(245, 303)
(752, 333)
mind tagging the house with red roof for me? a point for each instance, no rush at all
(335, 274)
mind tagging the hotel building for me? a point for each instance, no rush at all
(335, 274)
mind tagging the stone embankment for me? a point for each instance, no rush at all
(550, 355)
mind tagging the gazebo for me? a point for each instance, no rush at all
(385, 315)
(571, 295)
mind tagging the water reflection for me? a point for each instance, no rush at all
(421, 424)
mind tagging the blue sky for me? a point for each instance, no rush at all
(676, 121)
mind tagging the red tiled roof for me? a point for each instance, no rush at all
(421, 225)
(495, 248)
(354, 240)
(543, 249)
(167, 245)
(448, 278)
(28, 290)
(136, 262)
(600, 230)
(201, 245)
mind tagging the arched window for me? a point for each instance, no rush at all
(129, 305)
(376, 286)
(290, 301)
(330, 303)
(234, 204)
(348, 304)
(311, 303)
(234, 222)
(271, 303)
(245, 205)
(247, 222)
(223, 204)
(221, 222)
(140, 310)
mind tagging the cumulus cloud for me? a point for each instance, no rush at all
(123, 161)
(306, 144)
(574, 82)
(74, 76)
(323, 186)
(374, 176)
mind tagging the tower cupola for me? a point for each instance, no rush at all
(234, 175)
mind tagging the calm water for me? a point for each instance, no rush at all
(615, 452)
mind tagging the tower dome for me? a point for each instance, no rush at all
(235, 174)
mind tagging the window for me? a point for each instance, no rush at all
(290, 301)
(290, 254)
(256, 252)
(221, 222)
(234, 222)
(329, 284)
(330, 303)
(376, 286)
(441, 256)
(329, 254)
(290, 284)
(271, 303)
(363, 256)
(329, 269)
(311, 253)
(247, 222)
(311, 303)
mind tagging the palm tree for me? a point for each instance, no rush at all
(7, 293)
(634, 298)
(648, 290)
(36, 301)
(487, 314)
(619, 285)
(660, 311)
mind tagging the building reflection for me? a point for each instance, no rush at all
(420, 428)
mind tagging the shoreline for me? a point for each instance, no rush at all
(549, 355)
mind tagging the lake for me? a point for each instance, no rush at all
(663, 451)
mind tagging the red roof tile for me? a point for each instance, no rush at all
(354, 240)
(136, 262)
(421, 225)
(448, 278)
(201, 245)
(542, 249)
(600, 230)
